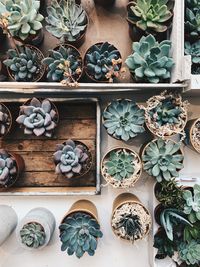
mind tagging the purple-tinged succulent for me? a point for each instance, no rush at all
(8, 169)
(38, 117)
(5, 120)
(71, 158)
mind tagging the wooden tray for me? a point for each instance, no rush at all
(79, 120)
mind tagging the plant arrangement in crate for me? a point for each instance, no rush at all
(5, 120)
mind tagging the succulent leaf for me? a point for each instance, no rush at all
(33, 235)
(8, 169)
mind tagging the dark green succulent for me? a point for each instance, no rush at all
(33, 235)
(190, 253)
(123, 119)
(151, 60)
(79, 233)
(193, 4)
(192, 23)
(193, 50)
(103, 61)
(192, 232)
(65, 63)
(25, 65)
(164, 245)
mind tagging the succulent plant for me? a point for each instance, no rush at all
(194, 4)
(192, 203)
(151, 60)
(38, 117)
(5, 120)
(8, 169)
(164, 245)
(79, 233)
(71, 158)
(103, 61)
(66, 20)
(25, 65)
(162, 159)
(23, 18)
(192, 232)
(192, 23)
(63, 64)
(151, 15)
(190, 252)
(123, 119)
(193, 50)
(171, 217)
(33, 235)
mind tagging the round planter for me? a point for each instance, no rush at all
(191, 130)
(6, 110)
(33, 40)
(157, 211)
(8, 222)
(41, 216)
(104, 3)
(128, 198)
(127, 182)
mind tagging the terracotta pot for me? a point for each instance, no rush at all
(104, 3)
(33, 40)
(189, 133)
(7, 111)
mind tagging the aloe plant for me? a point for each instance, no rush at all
(32, 235)
(78, 234)
(162, 159)
(123, 119)
(5, 120)
(8, 169)
(190, 253)
(193, 50)
(150, 60)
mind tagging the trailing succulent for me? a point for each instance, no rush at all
(79, 233)
(192, 23)
(38, 117)
(25, 65)
(22, 16)
(190, 252)
(162, 159)
(151, 16)
(103, 62)
(123, 119)
(33, 235)
(151, 60)
(71, 158)
(194, 51)
(8, 169)
(66, 20)
(5, 120)
(63, 64)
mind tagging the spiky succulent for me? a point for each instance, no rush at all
(5, 120)
(151, 60)
(72, 158)
(23, 17)
(123, 119)
(24, 66)
(151, 16)
(33, 235)
(66, 20)
(192, 23)
(192, 203)
(79, 233)
(103, 61)
(8, 169)
(65, 63)
(190, 252)
(162, 159)
(164, 245)
(193, 50)
(38, 117)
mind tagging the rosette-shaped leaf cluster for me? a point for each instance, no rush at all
(8, 168)
(190, 252)
(33, 235)
(192, 21)
(5, 120)
(194, 51)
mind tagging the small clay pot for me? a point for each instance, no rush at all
(33, 40)
(189, 134)
(7, 111)
(104, 3)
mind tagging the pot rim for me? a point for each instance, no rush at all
(190, 134)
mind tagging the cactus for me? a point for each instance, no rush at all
(32, 235)
(8, 169)
(5, 120)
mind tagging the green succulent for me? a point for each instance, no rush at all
(193, 50)
(192, 203)
(23, 17)
(192, 232)
(103, 61)
(162, 159)
(66, 20)
(192, 23)
(193, 4)
(25, 65)
(63, 64)
(195, 70)
(171, 217)
(150, 61)
(123, 119)
(151, 15)
(33, 235)
(190, 252)
(8, 168)
(79, 233)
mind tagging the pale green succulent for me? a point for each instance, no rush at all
(193, 50)
(33, 235)
(190, 253)
(23, 17)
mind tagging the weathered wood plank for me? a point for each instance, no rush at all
(54, 190)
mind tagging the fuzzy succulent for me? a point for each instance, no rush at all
(192, 203)
(23, 17)
(79, 233)
(103, 61)
(8, 169)
(66, 20)
(24, 66)
(162, 159)
(63, 64)
(151, 60)
(33, 235)
(5, 120)
(71, 158)
(190, 253)
(38, 117)
(123, 119)
(151, 15)
(194, 51)
(192, 23)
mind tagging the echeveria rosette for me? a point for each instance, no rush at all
(123, 119)
(38, 117)
(162, 159)
(189, 253)
(192, 23)
(8, 169)
(71, 158)
(33, 235)
(5, 120)
(79, 233)
(193, 50)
